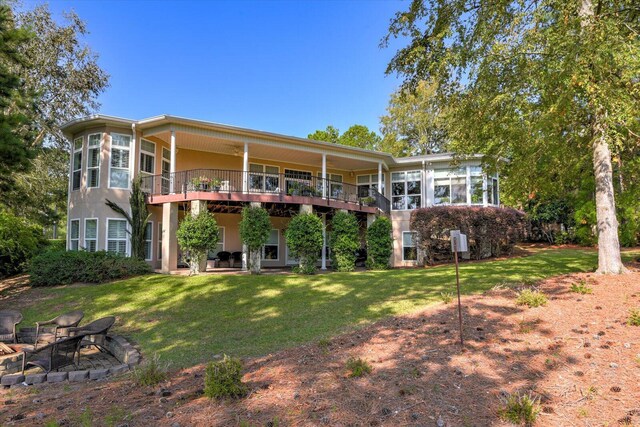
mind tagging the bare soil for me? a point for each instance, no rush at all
(577, 355)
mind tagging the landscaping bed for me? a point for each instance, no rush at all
(576, 355)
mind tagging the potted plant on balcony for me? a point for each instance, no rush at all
(215, 184)
(200, 183)
(369, 201)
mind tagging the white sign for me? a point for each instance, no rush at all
(458, 241)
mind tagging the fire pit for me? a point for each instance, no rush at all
(11, 358)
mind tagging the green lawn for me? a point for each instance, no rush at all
(188, 319)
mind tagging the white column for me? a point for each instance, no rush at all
(485, 196)
(324, 239)
(172, 164)
(324, 177)
(245, 169)
(429, 185)
(133, 155)
(169, 240)
(469, 185)
(380, 178)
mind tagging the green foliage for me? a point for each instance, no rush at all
(305, 241)
(224, 379)
(414, 124)
(520, 408)
(196, 235)
(581, 288)
(634, 317)
(531, 298)
(490, 231)
(138, 219)
(19, 242)
(358, 367)
(53, 268)
(344, 241)
(16, 103)
(151, 372)
(446, 297)
(379, 243)
(56, 245)
(255, 228)
(356, 136)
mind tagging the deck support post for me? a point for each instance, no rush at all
(245, 169)
(324, 242)
(380, 178)
(172, 163)
(169, 239)
(198, 206)
(324, 176)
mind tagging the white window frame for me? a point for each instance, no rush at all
(414, 246)
(159, 254)
(475, 175)
(165, 181)
(126, 239)
(71, 238)
(94, 239)
(493, 189)
(224, 233)
(405, 195)
(150, 242)
(277, 245)
(334, 185)
(264, 176)
(150, 154)
(371, 182)
(89, 169)
(73, 165)
(128, 167)
(298, 180)
(454, 174)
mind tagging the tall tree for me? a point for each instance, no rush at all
(16, 136)
(356, 136)
(138, 219)
(415, 123)
(62, 71)
(534, 81)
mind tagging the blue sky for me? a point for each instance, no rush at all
(283, 66)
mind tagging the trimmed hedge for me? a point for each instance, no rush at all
(54, 268)
(344, 241)
(305, 241)
(490, 231)
(379, 243)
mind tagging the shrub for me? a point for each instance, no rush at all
(490, 231)
(581, 288)
(56, 245)
(344, 241)
(305, 241)
(634, 318)
(520, 408)
(358, 367)
(255, 228)
(63, 268)
(379, 243)
(19, 242)
(224, 379)
(151, 372)
(196, 235)
(531, 298)
(446, 297)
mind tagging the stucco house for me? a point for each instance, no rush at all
(191, 164)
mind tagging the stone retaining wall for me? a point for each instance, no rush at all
(117, 345)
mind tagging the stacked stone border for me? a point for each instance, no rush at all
(117, 345)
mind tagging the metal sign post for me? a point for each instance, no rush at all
(458, 243)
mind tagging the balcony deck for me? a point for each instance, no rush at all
(238, 186)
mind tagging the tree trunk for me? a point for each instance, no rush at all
(254, 261)
(609, 259)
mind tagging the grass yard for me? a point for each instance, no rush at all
(186, 320)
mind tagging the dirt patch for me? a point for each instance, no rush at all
(576, 354)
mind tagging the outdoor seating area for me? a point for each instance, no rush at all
(60, 344)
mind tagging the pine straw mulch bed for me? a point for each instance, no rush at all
(576, 354)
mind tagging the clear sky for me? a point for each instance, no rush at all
(282, 66)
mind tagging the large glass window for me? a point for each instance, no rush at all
(366, 182)
(405, 190)
(119, 171)
(166, 170)
(93, 160)
(298, 183)
(91, 235)
(492, 191)
(159, 240)
(213, 253)
(148, 241)
(147, 157)
(77, 164)
(409, 250)
(117, 236)
(335, 184)
(271, 249)
(476, 185)
(450, 186)
(264, 178)
(74, 235)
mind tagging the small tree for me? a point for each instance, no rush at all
(305, 241)
(379, 244)
(138, 219)
(344, 241)
(255, 228)
(196, 235)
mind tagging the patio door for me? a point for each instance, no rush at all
(166, 170)
(296, 182)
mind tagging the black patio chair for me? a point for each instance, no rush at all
(55, 355)
(236, 259)
(224, 257)
(8, 321)
(50, 330)
(95, 333)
